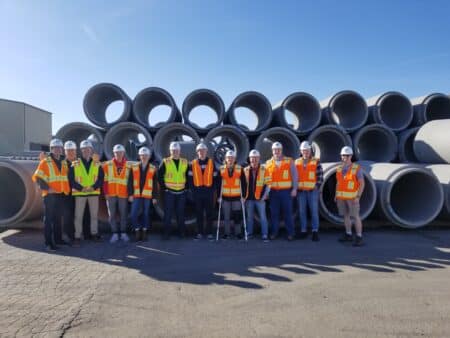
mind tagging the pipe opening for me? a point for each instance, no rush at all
(349, 110)
(302, 112)
(246, 118)
(438, 108)
(158, 115)
(288, 139)
(153, 107)
(396, 111)
(131, 135)
(79, 131)
(114, 111)
(327, 143)
(376, 144)
(13, 193)
(251, 111)
(203, 109)
(415, 197)
(184, 134)
(203, 116)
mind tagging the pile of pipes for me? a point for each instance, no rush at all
(403, 145)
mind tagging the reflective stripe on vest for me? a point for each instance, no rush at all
(174, 178)
(117, 184)
(261, 179)
(48, 172)
(281, 176)
(306, 174)
(348, 185)
(85, 179)
(147, 189)
(204, 179)
(231, 186)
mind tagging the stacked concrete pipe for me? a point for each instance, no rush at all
(393, 109)
(79, 131)
(291, 144)
(375, 142)
(435, 106)
(432, 142)
(442, 172)
(327, 142)
(406, 145)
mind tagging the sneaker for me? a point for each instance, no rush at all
(265, 239)
(315, 236)
(273, 237)
(290, 238)
(61, 242)
(225, 237)
(124, 237)
(137, 235)
(144, 236)
(76, 243)
(198, 237)
(358, 241)
(114, 238)
(211, 237)
(50, 248)
(303, 235)
(346, 238)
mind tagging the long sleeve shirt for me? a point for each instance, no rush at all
(42, 184)
(87, 164)
(253, 173)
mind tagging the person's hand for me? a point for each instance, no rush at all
(96, 158)
(51, 191)
(265, 197)
(294, 192)
(154, 201)
(130, 199)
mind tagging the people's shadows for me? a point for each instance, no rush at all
(253, 264)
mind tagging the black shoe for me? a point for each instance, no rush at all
(50, 248)
(358, 241)
(137, 235)
(265, 239)
(96, 238)
(273, 237)
(225, 237)
(211, 237)
(290, 238)
(144, 235)
(61, 242)
(345, 238)
(240, 237)
(303, 235)
(198, 237)
(315, 236)
(76, 243)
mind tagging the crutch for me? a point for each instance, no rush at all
(220, 208)
(243, 213)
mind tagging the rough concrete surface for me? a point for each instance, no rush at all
(397, 285)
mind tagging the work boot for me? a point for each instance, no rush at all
(97, 238)
(303, 235)
(211, 237)
(137, 235)
(144, 235)
(315, 236)
(198, 237)
(358, 241)
(50, 248)
(345, 238)
(76, 243)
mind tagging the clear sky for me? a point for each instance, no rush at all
(52, 52)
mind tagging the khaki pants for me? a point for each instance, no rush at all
(348, 207)
(80, 204)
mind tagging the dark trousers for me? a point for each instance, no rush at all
(145, 206)
(53, 212)
(204, 205)
(69, 215)
(281, 203)
(174, 203)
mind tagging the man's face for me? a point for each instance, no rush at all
(277, 152)
(119, 155)
(229, 160)
(57, 151)
(202, 153)
(306, 153)
(254, 161)
(86, 152)
(144, 158)
(175, 153)
(346, 159)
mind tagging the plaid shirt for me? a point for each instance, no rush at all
(319, 175)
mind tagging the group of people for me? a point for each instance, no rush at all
(68, 183)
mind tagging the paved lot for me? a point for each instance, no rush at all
(397, 285)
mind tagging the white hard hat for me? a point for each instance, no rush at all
(277, 145)
(254, 153)
(305, 145)
(230, 153)
(144, 151)
(56, 142)
(118, 147)
(86, 144)
(174, 146)
(201, 146)
(70, 145)
(346, 151)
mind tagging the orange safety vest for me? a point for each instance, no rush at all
(262, 178)
(205, 179)
(48, 171)
(147, 189)
(281, 176)
(231, 186)
(348, 185)
(117, 184)
(306, 174)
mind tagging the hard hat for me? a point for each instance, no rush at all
(118, 147)
(86, 144)
(56, 142)
(230, 153)
(254, 153)
(201, 146)
(346, 151)
(174, 146)
(70, 145)
(277, 145)
(305, 145)
(144, 151)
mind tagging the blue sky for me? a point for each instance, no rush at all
(52, 52)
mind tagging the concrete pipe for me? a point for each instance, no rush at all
(327, 205)
(347, 109)
(255, 102)
(20, 200)
(393, 109)
(432, 142)
(131, 135)
(442, 172)
(435, 106)
(328, 141)
(406, 145)
(154, 101)
(79, 131)
(375, 142)
(224, 138)
(287, 138)
(97, 100)
(174, 132)
(299, 112)
(408, 195)
(197, 99)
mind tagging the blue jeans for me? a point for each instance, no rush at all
(281, 201)
(146, 205)
(308, 200)
(260, 205)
